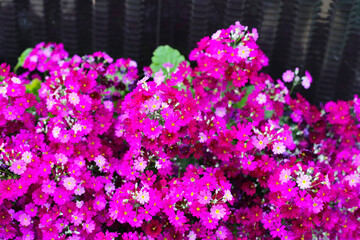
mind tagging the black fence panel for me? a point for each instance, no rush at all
(321, 36)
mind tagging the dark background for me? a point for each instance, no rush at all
(321, 36)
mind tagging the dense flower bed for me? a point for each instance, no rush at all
(215, 151)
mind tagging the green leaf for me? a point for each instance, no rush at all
(165, 54)
(33, 87)
(243, 101)
(268, 114)
(22, 58)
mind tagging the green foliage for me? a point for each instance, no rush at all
(22, 58)
(165, 54)
(243, 101)
(268, 114)
(33, 87)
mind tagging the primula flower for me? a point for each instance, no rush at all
(202, 137)
(76, 218)
(159, 77)
(227, 196)
(143, 196)
(89, 226)
(278, 148)
(220, 111)
(261, 98)
(178, 219)
(303, 181)
(18, 167)
(306, 80)
(74, 98)
(285, 175)
(260, 142)
(56, 131)
(218, 211)
(288, 76)
(140, 164)
(48, 186)
(317, 205)
(69, 183)
(61, 158)
(79, 190)
(204, 197)
(100, 161)
(24, 219)
(151, 128)
(26, 157)
(243, 52)
(10, 113)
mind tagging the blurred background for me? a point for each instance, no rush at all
(321, 36)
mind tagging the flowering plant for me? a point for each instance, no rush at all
(214, 151)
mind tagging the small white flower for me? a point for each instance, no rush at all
(261, 98)
(26, 157)
(278, 148)
(77, 127)
(202, 137)
(16, 80)
(100, 161)
(143, 197)
(303, 181)
(74, 98)
(227, 195)
(56, 131)
(220, 111)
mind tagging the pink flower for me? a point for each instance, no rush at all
(204, 197)
(278, 148)
(24, 219)
(288, 76)
(74, 98)
(143, 197)
(260, 142)
(303, 181)
(61, 158)
(100, 161)
(243, 52)
(159, 77)
(353, 179)
(228, 196)
(76, 218)
(48, 186)
(140, 164)
(69, 183)
(18, 167)
(89, 226)
(306, 80)
(217, 211)
(261, 98)
(10, 113)
(152, 129)
(285, 175)
(178, 219)
(26, 157)
(317, 205)
(220, 111)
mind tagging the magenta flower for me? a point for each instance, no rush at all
(217, 211)
(69, 183)
(317, 205)
(24, 219)
(288, 76)
(18, 167)
(260, 142)
(204, 197)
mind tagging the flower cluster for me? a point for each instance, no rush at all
(215, 151)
